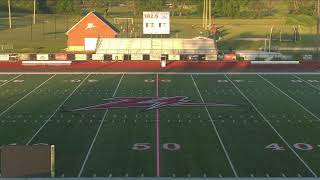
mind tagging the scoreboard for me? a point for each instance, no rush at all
(156, 22)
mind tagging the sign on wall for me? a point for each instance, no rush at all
(156, 22)
(4, 57)
(80, 57)
(42, 57)
(98, 57)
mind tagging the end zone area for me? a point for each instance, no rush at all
(166, 124)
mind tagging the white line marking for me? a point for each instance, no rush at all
(290, 97)
(216, 130)
(10, 80)
(168, 73)
(98, 130)
(31, 139)
(157, 132)
(273, 128)
(306, 82)
(25, 96)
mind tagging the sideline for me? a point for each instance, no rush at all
(169, 73)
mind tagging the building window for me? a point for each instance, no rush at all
(147, 24)
(160, 25)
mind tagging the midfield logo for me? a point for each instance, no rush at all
(148, 103)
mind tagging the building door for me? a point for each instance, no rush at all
(90, 44)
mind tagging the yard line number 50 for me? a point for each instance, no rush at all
(147, 146)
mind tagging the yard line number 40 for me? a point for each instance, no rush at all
(298, 146)
(147, 146)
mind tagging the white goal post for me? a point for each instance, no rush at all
(123, 20)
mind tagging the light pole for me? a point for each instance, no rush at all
(318, 19)
(206, 14)
(270, 39)
(34, 11)
(9, 9)
(318, 23)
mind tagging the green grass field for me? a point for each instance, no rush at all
(271, 131)
(48, 34)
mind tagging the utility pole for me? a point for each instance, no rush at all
(209, 13)
(318, 19)
(9, 9)
(270, 39)
(34, 11)
(318, 25)
(206, 14)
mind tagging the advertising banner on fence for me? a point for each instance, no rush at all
(4, 57)
(136, 57)
(61, 57)
(24, 57)
(117, 57)
(42, 57)
(155, 57)
(212, 57)
(80, 57)
(98, 57)
(174, 57)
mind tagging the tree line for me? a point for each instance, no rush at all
(220, 8)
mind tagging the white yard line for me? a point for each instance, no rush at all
(158, 131)
(26, 95)
(10, 80)
(168, 73)
(276, 87)
(216, 130)
(273, 128)
(306, 82)
(31, 139)
(98, 130)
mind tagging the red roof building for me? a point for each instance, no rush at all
(84, 35)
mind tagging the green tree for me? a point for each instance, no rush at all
(227, 8)
(42, 6)
(257, 7)
(64, 7)
(150, 5)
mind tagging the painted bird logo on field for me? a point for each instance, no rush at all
(148, 103)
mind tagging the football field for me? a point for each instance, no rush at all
(167, 124)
